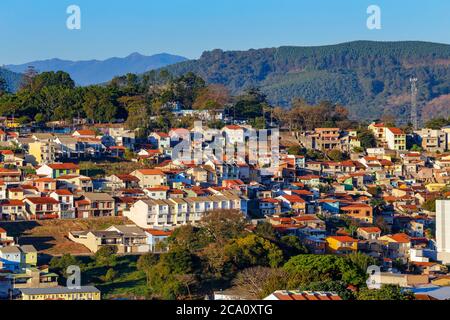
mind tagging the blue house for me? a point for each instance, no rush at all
(11, 258)
(330, 205)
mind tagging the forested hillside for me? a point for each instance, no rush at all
(370, 78)
(11, 79)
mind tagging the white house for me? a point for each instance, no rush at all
(66, 203)
(234, 134)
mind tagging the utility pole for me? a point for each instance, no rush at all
(414, 114)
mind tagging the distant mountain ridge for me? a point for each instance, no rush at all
(370, 78)
(95, 71)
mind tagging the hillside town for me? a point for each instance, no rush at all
(320, 188)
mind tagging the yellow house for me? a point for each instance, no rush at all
(341, 244)
(30, 254)
(15, 194)
(61, 293)
(379, 131)
(41, 152)
(149, 178)
(435, 187)
(12, 123)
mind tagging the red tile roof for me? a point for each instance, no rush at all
(370, 229)
(127, 177)
(43, 200)
(293, 198)
(158, 233)
(162, 134)
(233, 127)
(315, 296)
(63, 192)
(9, 203)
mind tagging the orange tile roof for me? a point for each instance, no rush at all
(343, 238)
(63, 192)
(400, 238)
(356, 206)
(85, 132)
(176, 191)
(45, 180)
(162, 188)
(370, 229)
(150, 172)
(396, 131)
(63, 166)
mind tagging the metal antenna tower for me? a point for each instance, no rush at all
(414, 113)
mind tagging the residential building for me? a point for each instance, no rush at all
(151, 214)
(341, 244)
(328, 138)
(56, 170)
(93, 204)
(432, 140)
(65, 199)
(41, 152)
(149, 178)
(396, 139)
(37, 208)
(127, 239)
(61, 293)
(368, 233)
(156, 238)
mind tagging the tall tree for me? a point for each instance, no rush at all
(98, 104)
(3, 86)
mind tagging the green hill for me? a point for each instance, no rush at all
(370, 78)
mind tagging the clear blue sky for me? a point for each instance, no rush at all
(36, 29)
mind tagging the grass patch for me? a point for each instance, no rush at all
(107, 168)
(130, 283)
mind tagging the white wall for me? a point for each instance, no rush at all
(443, 229)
